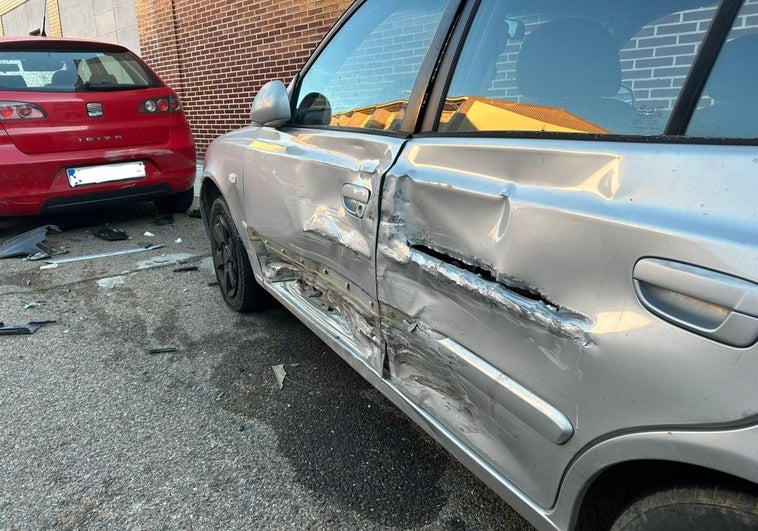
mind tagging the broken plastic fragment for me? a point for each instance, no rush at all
(29, 243)
(15, 330)
(162, 350)
(280, 375)
(111, 235)
(148, 234)
(45, 252)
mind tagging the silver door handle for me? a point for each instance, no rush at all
(355, 199)
(718, 306)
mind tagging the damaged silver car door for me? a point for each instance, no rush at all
(311, 188)
(532, 288)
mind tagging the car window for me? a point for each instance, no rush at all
(728, 107)
(576, 66)
(71, 70)
(364, 76)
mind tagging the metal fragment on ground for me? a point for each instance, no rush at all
(103, 255)
(15, 330)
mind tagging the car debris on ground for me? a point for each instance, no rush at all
(147, 247)
(162, 350)
(31, 245)
(111, 282)
(27, 329)
(185, 269)
(111, 235)
(280, 374)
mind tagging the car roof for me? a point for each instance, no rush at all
(50, 42)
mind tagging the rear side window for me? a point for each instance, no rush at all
(364, 76)
(574, 66)
(72, 70)
(729, 106)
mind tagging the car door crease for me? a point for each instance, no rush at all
(569, 325)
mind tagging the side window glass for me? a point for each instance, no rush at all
(728, 107)
(365, 75)
(574, 67)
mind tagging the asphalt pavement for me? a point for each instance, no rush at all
(148, 404)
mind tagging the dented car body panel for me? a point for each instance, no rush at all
(545, 306)
(481, 248)
(310, 231)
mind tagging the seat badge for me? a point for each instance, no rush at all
(95, 110)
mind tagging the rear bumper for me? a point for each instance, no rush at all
(104, 199)
(37, 184)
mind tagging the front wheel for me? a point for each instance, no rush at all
(695, 508)
(235, 276)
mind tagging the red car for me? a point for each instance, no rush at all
(87, 124)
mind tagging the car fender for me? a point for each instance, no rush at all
(729, 451)
(224, 168)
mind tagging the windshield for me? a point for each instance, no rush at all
(72, 70)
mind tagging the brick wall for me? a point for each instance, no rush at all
(218, 53)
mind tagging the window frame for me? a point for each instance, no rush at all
(418, 96)
(674, 132)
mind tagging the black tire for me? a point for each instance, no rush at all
(692, 508)
(235, 276)
(176, 203)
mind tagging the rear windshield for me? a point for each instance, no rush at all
(72, 70)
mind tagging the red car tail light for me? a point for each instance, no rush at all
(160, 105)
(16, 110)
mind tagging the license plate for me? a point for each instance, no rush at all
(105, 173)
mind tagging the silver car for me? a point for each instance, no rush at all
(533, 225)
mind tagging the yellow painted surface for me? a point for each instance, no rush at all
(53, 23)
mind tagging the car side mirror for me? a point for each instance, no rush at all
(271, 106)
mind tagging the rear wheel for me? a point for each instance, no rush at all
(235, 276)
(691, 509)
(175, 203)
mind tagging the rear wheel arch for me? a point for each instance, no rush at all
(620, 486)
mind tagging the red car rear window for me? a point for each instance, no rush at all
(72, 70)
